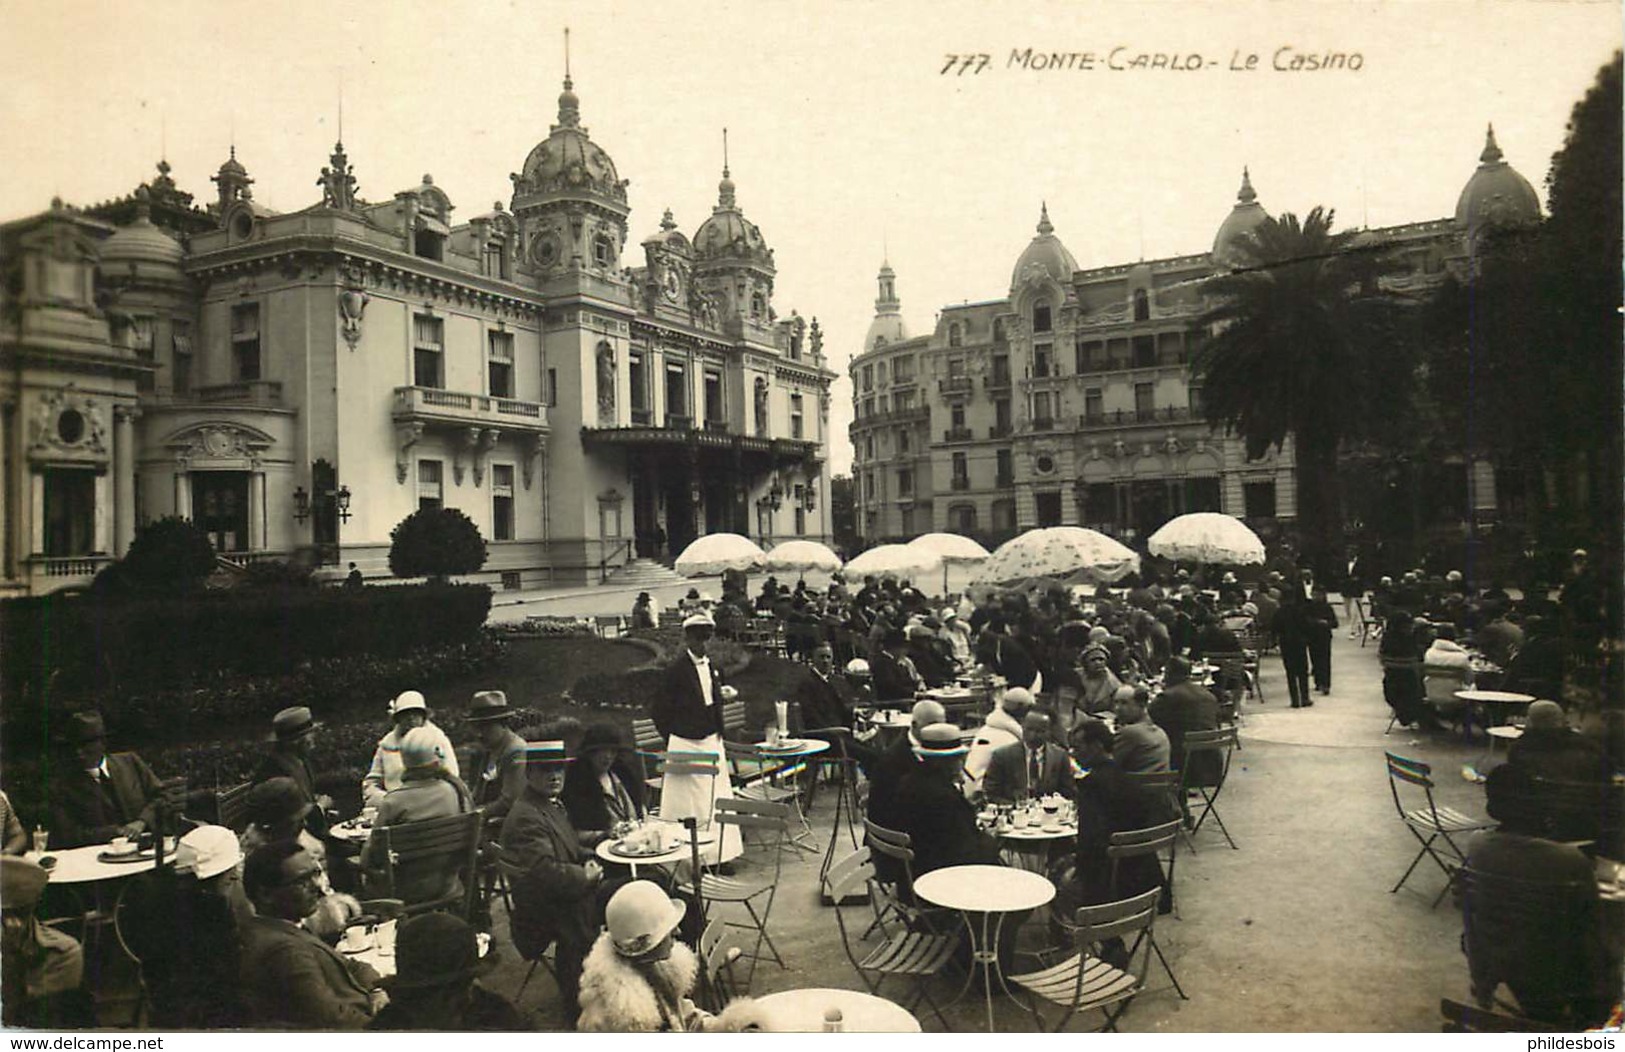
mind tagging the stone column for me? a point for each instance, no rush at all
(123, 478)
(5, 494)
(36, 512)
(256, 509)
(102, 520)
(183, 490)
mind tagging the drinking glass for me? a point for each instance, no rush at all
(42, 840)
(386, 939)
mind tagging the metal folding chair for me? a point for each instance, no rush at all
(1134, 843)
(1084, 982)
(1220, 743)
(775, 822)
(1428, 823)
(915, 954)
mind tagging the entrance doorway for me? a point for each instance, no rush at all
(220, 508)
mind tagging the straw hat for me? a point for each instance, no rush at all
(547, 753)
(940, 740)
(407, 701)
(487, 705)
(293, 723)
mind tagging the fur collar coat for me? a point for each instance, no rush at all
(616, 997)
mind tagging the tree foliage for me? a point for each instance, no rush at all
(436, 543)
(169, 555)
(1305, 343)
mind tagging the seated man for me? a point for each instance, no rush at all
(933, 811)
(1140, 745)
(426, 791)
(277, 810)
(1550, 749)
(294, 729)
(41, 969)
(289, 976)
(1184, 706)
(1547, 944)
(897, 762)
(1032, 767)
(1010, 710)
(498, 758)
(557, 880)
(435, 985)
(97, 795)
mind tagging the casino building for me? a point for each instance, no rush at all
(300, 382)
(1069, 399)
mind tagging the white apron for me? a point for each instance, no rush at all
(694, 796)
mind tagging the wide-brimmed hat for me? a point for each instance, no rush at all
(940, 740)
(642, 596)
(699, 620)
(86, 726)
(293, 723)
(601, 736)
(487, 705)
(857, 667)
(209, 851)
(276, 800)
(21, 883)
(436, 949)
(1018, 698)
(547, 753)
(408, 701)
(640, 916)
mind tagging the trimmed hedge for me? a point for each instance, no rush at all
(63, 645)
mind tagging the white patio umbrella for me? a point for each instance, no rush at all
(1207, 537)
(717, 552)
(802, 557)
(955, 549)
(895, 560)
(1066, 554)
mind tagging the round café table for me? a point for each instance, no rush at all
(802, 1012)
(787, 752)
(355, 831)
(678, 849)
(375, 946)
(984, 895)
(1495, 701)
(83, 865)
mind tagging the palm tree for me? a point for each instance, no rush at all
(1304, 343)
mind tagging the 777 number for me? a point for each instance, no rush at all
(972, 64)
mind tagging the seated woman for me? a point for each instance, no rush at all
(1099, 683)
(639, 979)
(426, 791)
(604, 787)
(1402, 673)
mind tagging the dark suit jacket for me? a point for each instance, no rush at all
(292, 978)
(942, 823)
(498, 793)
(679, 705)
(279, 763)
(1014, 660)
(85, 812)
(553, 897)
(1108, 803)
(1009, 774)
(821, 703)
(891, 680)
(1188, 707)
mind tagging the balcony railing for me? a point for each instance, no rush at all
(642, 417)
(678, 422)
(996, 381)
(999, 431)
(958, 434)
(434, 405)
(960, 482)
(716, 425)
(245, 392)
(68, 566)
(956, 383)
(1126, 417)
(1043, 423)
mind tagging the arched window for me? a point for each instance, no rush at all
(1142, 306)
(956, 335)
(1041, 320)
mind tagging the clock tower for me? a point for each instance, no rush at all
(669, 290)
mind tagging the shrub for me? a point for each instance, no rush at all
(129, 645)
(168, 555)
(435, 543)
(279, 573)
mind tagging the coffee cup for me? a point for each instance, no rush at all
(1019, 819)
(120, 845)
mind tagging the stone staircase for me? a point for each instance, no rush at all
(644, 573)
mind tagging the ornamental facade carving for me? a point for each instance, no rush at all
(69, 426)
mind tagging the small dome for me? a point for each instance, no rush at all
(141, 242)
(727, 233)
(1243, 219)
(569, 162)
(1496, 194)
(887, 329)
(1044, 255)
(668, 234)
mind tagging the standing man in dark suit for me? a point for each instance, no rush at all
(1032, 767)
(1185, 706)
(687, 709)
(1322, 622)
(98, 795)
(289, 976)
(1292, 633)
(289, 757)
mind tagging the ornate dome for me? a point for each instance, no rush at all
(668, 234)
(569, 163)
(141, 243)
(1496, 194)
(1044, 256)
(727, 234)
(888, 326)
(1244, 218)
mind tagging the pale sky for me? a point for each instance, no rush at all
(846, 140)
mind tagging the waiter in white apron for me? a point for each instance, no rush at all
(687, 709)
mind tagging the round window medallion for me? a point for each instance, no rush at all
(1045, 464)
(70, 426)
